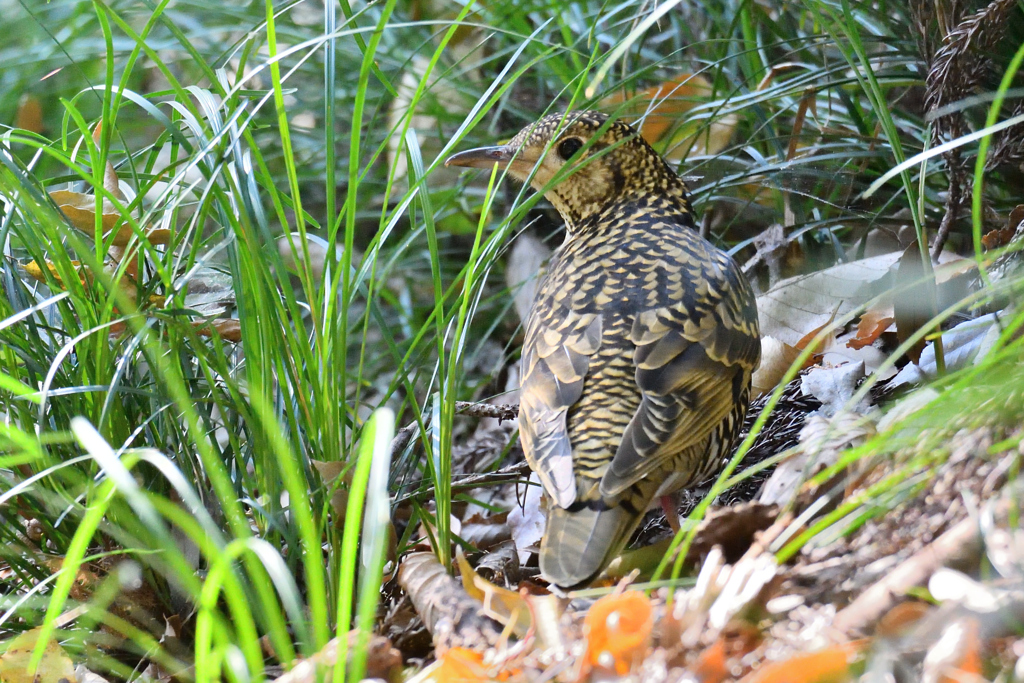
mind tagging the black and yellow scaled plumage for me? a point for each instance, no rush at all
(640, 345)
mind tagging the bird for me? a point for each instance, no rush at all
(639, 348)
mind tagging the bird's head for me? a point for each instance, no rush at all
(583, 162)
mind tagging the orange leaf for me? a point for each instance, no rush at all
(871, 326)
(662, 107)
(80, 208)
(30, 114)
(461, 665)
(229, 329)
(900, 618)
(831, 665)
(501, 604)
(711, 666)
(618, 629)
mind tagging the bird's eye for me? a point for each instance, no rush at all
(568, 147)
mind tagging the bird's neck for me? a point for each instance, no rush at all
(667, 203)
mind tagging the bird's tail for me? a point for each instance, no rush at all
(579, 544)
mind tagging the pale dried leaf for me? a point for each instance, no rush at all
(55, 666)
(523, 271)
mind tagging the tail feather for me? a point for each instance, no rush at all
(579, 544)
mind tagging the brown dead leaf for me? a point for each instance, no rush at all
(817, 347)
(660, 124)
(55, 666)
(329, 473)
(798, 304)
(831, 665)
(80, 208)
(718, 662)
(901, 618)
(229, 329)
(500, 604)
(776, 359)
(1000, 237)
(462, 665)
(30, 114)
(806, 302)
(872, 325)
(126, 284)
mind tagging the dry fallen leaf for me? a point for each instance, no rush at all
(126, 284)
(229, 329)
(55, 666)
(80, 208)
(500, 604)
(872, 325)
(461, 665)
(776, 358)
(799, 304)
(831, 665)
(30, 114)
(663, 124)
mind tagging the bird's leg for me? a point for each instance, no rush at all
(670, 506)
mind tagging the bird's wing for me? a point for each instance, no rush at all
(555, 362)
(693, 362)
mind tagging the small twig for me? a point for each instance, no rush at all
(960, 542)
(505, 475)
(507, 411)
(451, 616)
(953, 204)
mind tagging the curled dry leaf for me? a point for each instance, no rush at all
(872, 325)
(229, 329)
(30, 114)
(1003, 236)
(663, 124)
(461, 665)
(776, 358)
(831, 665)
(502, 605)
(618, 630)
(799, 304)
(80, 208)
(901, 618)
(329, 473)
(126, 284)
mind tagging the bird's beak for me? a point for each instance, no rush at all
(482, 157)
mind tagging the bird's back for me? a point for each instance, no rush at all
(636, 277)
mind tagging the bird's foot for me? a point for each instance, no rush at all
(670, 505)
